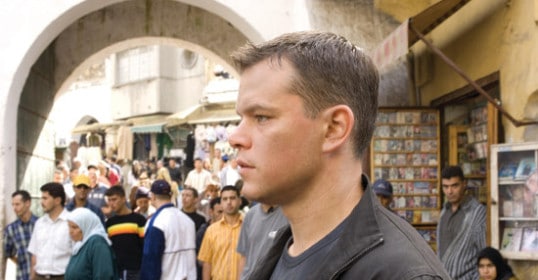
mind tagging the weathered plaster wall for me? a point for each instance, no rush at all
(506, 42)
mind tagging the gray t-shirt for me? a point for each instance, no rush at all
(257, 234)
(299, 267)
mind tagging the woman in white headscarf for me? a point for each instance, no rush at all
(92, 257)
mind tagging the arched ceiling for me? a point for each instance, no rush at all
(134, 23)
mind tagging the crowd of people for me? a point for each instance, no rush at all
(308, 103)
(153, 225)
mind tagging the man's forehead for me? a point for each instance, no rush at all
(451, 181)
(228, 194)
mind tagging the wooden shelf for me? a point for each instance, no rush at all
(405, 150)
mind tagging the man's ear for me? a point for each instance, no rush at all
(339, 122)
(57, 199)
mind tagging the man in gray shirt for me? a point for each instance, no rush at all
(462, 227)
(258, 232)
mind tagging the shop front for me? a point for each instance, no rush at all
(477, 73)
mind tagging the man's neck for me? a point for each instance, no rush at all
(266, 207)
(80, 202)
(455, 206)
(124, 211)
(323, 205)
(160, 203)
(232, 219)
(55, 213)
(26, 217)
(188, 209)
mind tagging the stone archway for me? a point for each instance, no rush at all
(103, 32)
(113, 26)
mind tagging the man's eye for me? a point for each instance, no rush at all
(261, 118)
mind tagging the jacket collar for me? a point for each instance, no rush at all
(361, 233)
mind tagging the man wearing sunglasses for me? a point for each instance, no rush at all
(81, 186)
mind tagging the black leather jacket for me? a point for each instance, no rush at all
(376, 244)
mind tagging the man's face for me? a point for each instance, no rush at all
(73, 174)
(279, 147)
(143, 204)
(58, 177)
(230, 202)
(216, 213)
(454, 189)
(384, 200)
(187, 198)
(172, 163)
(20, 207)
(92, 173)
(81, 191)
(49, 203)
(198, 164)
(116, 202)
(143, 180)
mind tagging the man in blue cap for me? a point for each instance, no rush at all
(169, 241)
(383, 189)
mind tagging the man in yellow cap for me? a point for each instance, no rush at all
(81, 186)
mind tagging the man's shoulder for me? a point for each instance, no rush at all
(94, 208)
(399, 242)
(18, 222)
(216, 226)
(11, 227)
(128, 218)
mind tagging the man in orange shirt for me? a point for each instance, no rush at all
(218, 252)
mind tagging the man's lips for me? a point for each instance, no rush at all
(243, 164)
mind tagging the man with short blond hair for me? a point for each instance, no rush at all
(308, 105)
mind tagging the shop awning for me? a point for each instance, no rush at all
(148, 128)
(400, 40)
(85, 128)
(182, 116)
(215, 116)
(96, 127)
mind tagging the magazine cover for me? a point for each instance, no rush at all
(525, 167)
(511, 239)
(530, 240)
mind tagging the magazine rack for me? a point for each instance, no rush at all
(514, 196)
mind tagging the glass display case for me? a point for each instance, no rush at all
(514, 196)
